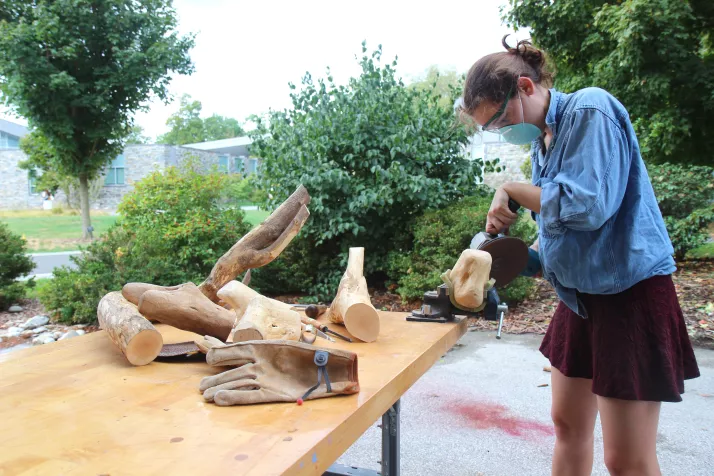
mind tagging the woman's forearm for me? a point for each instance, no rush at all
(527, 195)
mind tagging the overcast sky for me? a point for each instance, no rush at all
(247, 52)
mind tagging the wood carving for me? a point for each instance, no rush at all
(261, 245)
(188, 309)
(352, 305)
(470, 276)
(134, 335)
(133, 291)
(267, 319)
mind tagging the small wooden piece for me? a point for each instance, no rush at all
(267, 319)
(262, 244)
(133, 334)
(238, 296)
(352, 306)
(469, 277)
(188, 309)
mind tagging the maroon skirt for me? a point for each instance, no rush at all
(634, 344)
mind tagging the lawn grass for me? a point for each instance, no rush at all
(48, 232)
(706, 251)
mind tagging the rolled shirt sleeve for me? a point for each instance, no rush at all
(589, 187)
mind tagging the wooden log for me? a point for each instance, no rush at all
(267, 319)
(352, 305)
(132, 291)
(261, 245)
(188, 309)
(470, 276)
(133, 334)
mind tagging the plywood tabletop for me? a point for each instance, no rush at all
(77, 407)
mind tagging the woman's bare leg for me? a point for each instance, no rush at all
(629, 430)
(574, 413)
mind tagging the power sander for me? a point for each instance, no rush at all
(510, 257)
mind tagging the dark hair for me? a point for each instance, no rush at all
(494, 76)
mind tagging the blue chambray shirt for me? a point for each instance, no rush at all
(600, 228)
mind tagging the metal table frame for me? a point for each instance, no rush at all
(390, 449)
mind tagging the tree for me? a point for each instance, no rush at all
(136, 136)
(373, 154)
(79, 69)
(441, 83)
(655, 56)
(187, 127)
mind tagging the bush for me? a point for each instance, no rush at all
(374, 154)
(244, 189)
(440, 236)
(685, 195)
(14, 263)
(171, 231)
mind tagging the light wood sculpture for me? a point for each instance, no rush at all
(238, 296)
(469, 277)
(133, 334)
(267, 319)
(133, 291)
(352, 305)
(187, 308)
(261, 245)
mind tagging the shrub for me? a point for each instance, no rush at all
(374, 154)
(685, 195)
(440, 236)
(14, 263)
(171, 231)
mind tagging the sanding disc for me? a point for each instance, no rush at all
(180, 351)
(509, 256)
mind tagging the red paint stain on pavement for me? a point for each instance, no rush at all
(491, 416)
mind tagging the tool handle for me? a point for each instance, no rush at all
(308, 321)
(315, 310)
(513, 205)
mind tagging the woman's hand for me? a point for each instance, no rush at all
(499, 217)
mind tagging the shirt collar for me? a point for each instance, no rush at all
(550, 116)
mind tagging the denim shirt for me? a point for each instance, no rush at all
(600, 230)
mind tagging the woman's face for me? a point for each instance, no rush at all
(526, 105)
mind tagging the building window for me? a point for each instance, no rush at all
(252, 166)
(9, 142)
(115, 172)
(223, 164)
(32, 180)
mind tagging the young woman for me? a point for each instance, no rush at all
(617, 342)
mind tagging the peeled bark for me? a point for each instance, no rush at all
(186, 308)
(267, 319)
(352, 305)
(134, 335)
(261, 245)
(470, 276)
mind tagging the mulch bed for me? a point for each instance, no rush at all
(694, 282)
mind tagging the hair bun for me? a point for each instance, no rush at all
(531, 55)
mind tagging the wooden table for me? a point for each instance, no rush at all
(77, 407)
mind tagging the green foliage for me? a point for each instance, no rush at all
(685, 195)
(245, 189)
(440, 83)
(136, 136)
(527, 169)
(655, 56)
(171, 231)
(14, 263)
(373, 154)
(440, 236)
(187, 127)
(78, 70)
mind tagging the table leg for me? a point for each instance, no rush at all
(390, 449)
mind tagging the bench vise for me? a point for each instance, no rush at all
(437, 307)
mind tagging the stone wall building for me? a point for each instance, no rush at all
(19, 187)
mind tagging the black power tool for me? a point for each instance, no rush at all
(509, 258)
